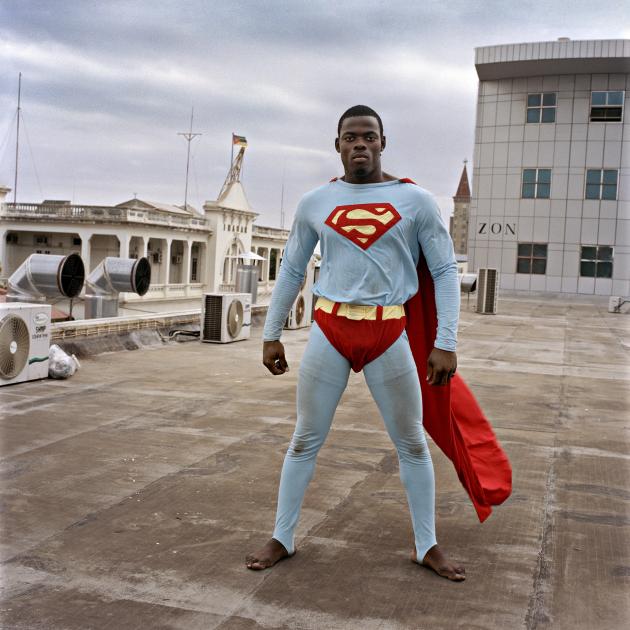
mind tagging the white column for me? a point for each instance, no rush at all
(123, 240)
(187, 261)
(166, 259)
(4, 257)
(145, 246)
(86, 251)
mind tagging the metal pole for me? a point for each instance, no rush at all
(189, 137)
(17, 138)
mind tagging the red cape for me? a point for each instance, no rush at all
(452, 416)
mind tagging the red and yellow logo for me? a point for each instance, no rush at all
(364, 223)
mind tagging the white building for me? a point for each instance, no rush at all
(190, 252)
(551, 180)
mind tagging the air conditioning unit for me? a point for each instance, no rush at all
(24, 342)
(225, 317)
(487, 291)
(177, 260)
(301, 313)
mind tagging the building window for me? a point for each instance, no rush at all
(541, 107)
(536, 183)
(193, 270)
(273, 259)
(601, 184)
(531, 258)
(596, 261)
(607, 106)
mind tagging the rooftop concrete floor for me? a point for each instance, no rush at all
(133, 491)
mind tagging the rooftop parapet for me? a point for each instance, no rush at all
(563, 56)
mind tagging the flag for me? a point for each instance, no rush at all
(240, 141)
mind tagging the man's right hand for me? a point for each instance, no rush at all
(273, 357)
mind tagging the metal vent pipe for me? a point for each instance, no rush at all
(44, 276)
(112, 276)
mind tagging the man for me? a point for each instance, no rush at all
(372, 228)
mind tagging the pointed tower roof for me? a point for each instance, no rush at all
(463, 190)
(232, 195)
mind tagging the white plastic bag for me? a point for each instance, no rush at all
(60, 364)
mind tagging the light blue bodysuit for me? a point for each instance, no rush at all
(370, 238)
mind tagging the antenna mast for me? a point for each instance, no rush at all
(17, 137)
(190, 136)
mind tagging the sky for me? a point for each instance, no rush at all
(107, 86)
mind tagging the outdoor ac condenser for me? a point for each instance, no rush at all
(24, 342)
(487, 291)
(301, 312)
(225, 317)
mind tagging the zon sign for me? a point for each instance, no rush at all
(496, 228)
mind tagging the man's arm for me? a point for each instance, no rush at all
(437, 248)
(297, 253)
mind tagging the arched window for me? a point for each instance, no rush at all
(230, 262)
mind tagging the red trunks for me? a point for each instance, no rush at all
(359, 340)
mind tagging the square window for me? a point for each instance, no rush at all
(541, 107)
(532, 258)
(607, 106)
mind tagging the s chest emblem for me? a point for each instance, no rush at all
(363, 223)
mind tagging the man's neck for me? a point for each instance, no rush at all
(374, 177)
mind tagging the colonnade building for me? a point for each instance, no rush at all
(550, 206)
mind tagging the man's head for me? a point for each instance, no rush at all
(360, 142)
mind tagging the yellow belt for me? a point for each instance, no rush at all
(359, 311)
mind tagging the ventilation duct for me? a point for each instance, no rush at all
(44, 276)
(112, 276)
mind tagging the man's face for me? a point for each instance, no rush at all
(360, 144)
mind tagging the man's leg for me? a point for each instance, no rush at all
(393, 382)
(322, 379)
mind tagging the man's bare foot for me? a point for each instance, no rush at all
(436, 560)
(266, 557)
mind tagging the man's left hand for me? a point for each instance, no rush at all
(441, 366)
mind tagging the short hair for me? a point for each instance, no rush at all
(360, 110)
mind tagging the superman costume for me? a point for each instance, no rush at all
(380, 243)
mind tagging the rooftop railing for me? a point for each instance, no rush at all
(99, 214)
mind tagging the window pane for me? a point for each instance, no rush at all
(539, 265)
(529, 175)
(593, 177)
(549, 98)
(523, 265)
(598, 98)
(543, 191)
(528, 191)
(592, 191)
(609, 192)
(604, 270)
(612, 114)
(540, 250)
(533, 100)
(544, 175)
(524, 249)
(598, 114)
(604, 252)
(610, 177)
(533, 115)
(589, 253)
(615, 98)
(587, 269)
(549, 114)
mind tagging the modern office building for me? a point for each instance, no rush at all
(551, 180)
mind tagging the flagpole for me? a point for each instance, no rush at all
(17, 138)
(232, 151)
